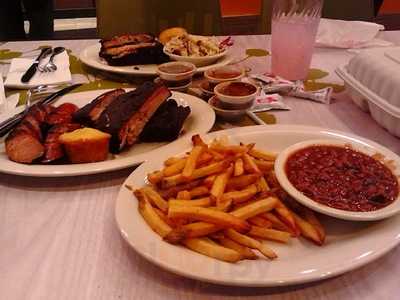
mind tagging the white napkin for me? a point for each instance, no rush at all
(10, 108)
(349, 34)
(19, 66)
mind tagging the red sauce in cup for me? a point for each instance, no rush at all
(342, 178)
(224, 74)
(175, 68)
(238, 89)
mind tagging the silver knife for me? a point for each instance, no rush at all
(32, 69)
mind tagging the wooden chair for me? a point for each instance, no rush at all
(123, 16)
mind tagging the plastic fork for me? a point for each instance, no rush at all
(50, 66)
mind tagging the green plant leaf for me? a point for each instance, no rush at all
(256, 52)
(8, 54)
(101, 84)
(314, 74)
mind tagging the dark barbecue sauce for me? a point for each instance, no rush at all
(342, 178)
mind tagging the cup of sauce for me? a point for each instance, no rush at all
(236, 93)
(222, 74)
(176, 74)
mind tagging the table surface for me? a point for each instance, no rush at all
(60, 240)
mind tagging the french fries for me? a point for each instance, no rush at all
(216, 217)
(224, 201)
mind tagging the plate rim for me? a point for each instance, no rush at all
(97, 167)
(357, 262)
(226, 59)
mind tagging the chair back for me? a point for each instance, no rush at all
(133, 16)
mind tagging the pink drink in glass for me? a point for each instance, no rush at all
(293, 40)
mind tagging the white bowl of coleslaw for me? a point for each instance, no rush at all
(195, 49)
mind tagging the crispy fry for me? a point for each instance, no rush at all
(207, 248)
(262, 185)
(199, 191)
(208, 215)
(202, 202)
(255, 208)
(264, 166)
(240, 196)
(261, 154)
(307, 230)
(250, 165)
(241, 182)
(269, 234)
(239, 170)
(175, 168)
(191, 161)
(209, 181)
(219, 185)
(229, 149)
(286, 215)
(276, 222)
(175, 236)
(250, 242)
(155, 177)
(173, 160)
(184, 195)
(198, 141)
(152, 218)
(244, 251)
(174, 190)
(259, 221)
(271, 179)
(197, 173)
(155, 198)
(217, 156)
(164, 217)
(198, 229)
(313, 220)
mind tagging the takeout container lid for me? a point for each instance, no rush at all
(372, 79)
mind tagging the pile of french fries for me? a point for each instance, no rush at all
(224, 201)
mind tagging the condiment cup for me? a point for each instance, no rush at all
(385, 212)
(235, 100)
(174, 75)
(175, 86)
(227, 113)
(225, 71)
(205, 89)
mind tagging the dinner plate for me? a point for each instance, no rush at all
(90, 57)
(348, 244)
(200, 120)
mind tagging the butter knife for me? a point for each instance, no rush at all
(33, 68)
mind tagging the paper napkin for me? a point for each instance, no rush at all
(349, 34)
(19, 66)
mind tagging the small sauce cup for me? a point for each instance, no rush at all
(236, 92)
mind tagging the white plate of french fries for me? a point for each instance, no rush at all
(213, 211)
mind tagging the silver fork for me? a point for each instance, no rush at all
(51, 66)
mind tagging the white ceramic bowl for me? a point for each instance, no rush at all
(178, 76)
(226, 114)
(197, 61)
(234, 100)
(379, 214)
(215, 80)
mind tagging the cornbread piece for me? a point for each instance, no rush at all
(125, 117)
(85, 145)
(166, 124)
(132, 49)
(24, 143)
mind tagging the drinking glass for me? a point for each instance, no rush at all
(294, 28)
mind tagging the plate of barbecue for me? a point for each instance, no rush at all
(104, 130)
(133, 54)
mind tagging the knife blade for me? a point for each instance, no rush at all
(32, 69)
(10, 123)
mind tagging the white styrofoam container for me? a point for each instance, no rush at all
(372, 79)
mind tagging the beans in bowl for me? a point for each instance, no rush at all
(342, 178)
